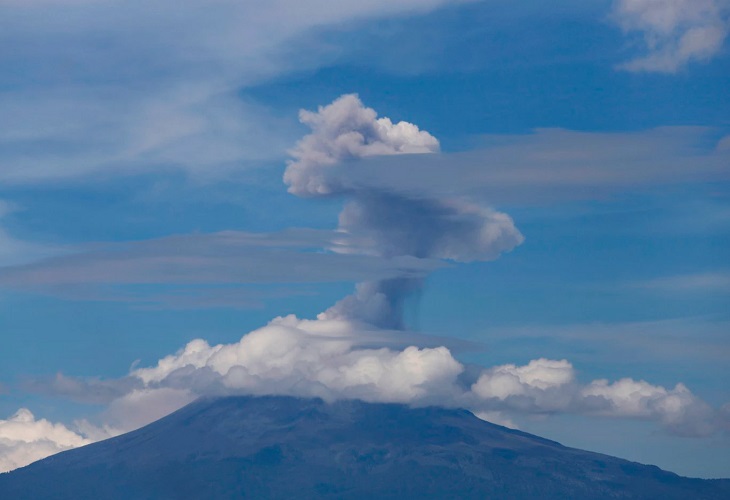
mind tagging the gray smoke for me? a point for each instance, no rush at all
(390, 223)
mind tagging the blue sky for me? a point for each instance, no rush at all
(565, 197)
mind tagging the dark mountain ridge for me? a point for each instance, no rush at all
(283, 447)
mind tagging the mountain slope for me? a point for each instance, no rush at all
(281, 447)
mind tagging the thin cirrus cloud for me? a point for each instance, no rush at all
(708, 282)
(551, 165)
(674, 33)
(82, 98)
(194, 263)
(386, 240)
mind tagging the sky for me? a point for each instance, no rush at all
(518, 208)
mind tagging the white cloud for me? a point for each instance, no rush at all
(678, 410)
(550, 386)
(25, 439)
(325, 358)
(330, 359)
(675, 32)
(541, 386)
(140, 407)
(309, 358)
(508, 380)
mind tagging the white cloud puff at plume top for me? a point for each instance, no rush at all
(346, 130)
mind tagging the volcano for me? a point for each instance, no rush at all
(284, 447)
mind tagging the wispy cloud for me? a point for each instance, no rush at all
(674, 32)
(203, 268)
(87, 390)
(692, 340)
(82, 97)
(550, 164)
(708, 282)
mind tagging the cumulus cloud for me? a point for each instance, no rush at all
(539, 381)
(325, 358)
(25, 439)
(551, 386)
(316, 358)
(675, 32)
(345, 359)
(677, 409)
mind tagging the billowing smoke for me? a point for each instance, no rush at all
(347, 130)
(393, 223)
